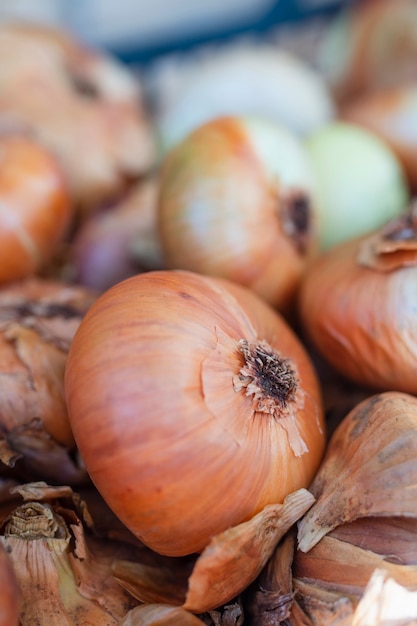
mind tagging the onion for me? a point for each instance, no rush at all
(119, 241)
(357, 305)
(249, 79)
(369, 46)
(35, 207)
(81, 103)
(360, 181)
(237, 201)
(193, 405)
(391, 114)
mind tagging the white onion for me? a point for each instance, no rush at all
(259, 80)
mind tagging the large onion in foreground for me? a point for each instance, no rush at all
(193, 405)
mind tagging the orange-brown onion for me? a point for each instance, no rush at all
(357, 304)
(81, 103)
(391, 114)
(35, 206)
(179, 440)
(237, 201)
(370, 45)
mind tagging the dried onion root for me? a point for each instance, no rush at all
(62, 568)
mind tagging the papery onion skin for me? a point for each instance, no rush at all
(10, 597)
(35, 206)
(237, 201)
(174, 449)
(362, 320)
(38, 318)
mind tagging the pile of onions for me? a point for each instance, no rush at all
(35, 206)
(357, 305)
(193, 405)
(237, 201)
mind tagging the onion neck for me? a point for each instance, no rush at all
(268, 377)
(393, 246)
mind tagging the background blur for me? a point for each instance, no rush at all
(138, 31)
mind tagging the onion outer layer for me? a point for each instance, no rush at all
(177, 437)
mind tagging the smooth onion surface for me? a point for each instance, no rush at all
(391, 114)
(35, 207)
(237, 200)
(360, 181)
(176, 449)
(247, 79)
(363, 320)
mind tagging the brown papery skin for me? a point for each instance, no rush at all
(35, 206)
(10, 596)
(363, 321)
(176, 452)
(222, 214)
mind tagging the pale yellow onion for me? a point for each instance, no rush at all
(360, 181)
(177, 427)
(237, 200)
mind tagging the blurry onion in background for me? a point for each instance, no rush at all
(245, 79)
(372, 44)
(360, 181)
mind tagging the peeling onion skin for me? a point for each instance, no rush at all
(173, 447)
(237, 201)
(360, 318)
(35, 207)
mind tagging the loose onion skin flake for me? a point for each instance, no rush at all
(193, 405)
